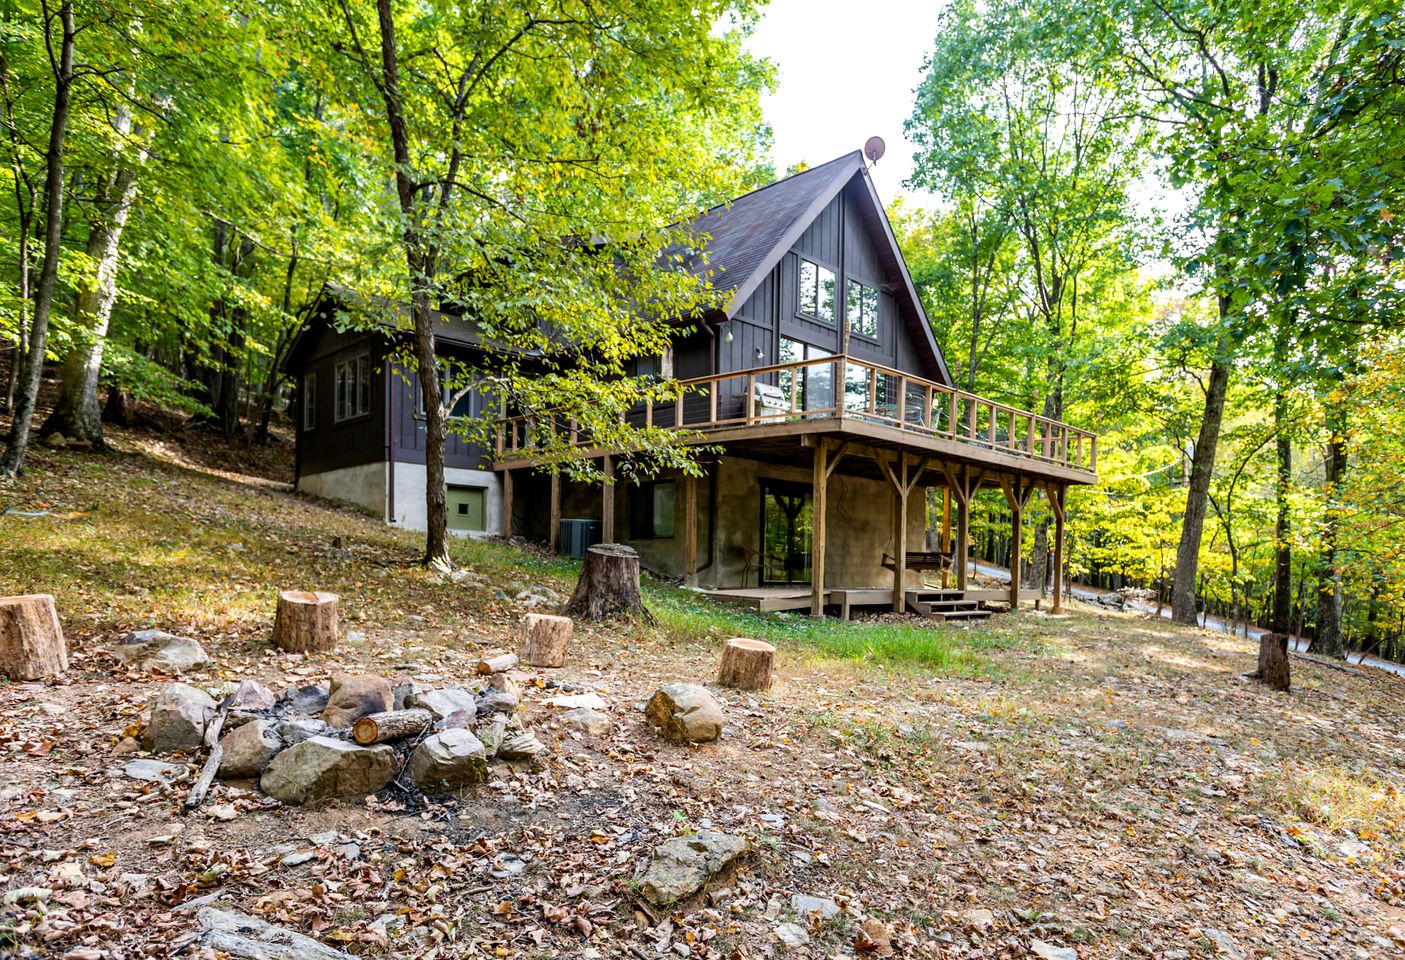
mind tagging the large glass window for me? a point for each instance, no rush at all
(861, 307)
(651, 510)
(787, 522)
(815, 386)
(816, 291)
(353, 382)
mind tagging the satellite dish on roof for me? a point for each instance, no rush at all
(873, 149)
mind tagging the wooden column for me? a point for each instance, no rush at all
(554, 536)
(945, 544)
(900, 536)
(1015, 495)
(1056, 502)
(507, 503)
(959, 484)
(690, 526)
(818, 504)
(607, 502)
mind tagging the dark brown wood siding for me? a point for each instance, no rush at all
(407, 427)
(331, 445)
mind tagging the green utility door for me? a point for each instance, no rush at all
(468, 508)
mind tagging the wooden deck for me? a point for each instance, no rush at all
(776, 599)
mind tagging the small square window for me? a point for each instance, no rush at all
(651, 509)
(352, 381)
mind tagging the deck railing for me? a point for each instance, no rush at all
(840, 388)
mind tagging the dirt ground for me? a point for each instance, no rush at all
(1103, 784)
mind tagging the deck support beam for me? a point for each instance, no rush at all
(963, 484)
(554, 534)
(1017, 492)
(1056, 494)
(507, 504)
(819, 503)
(690, 527)
(607, 502)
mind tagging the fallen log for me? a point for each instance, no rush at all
(391, 725)
(498, 663)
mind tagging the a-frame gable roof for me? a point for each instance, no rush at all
(746, 238)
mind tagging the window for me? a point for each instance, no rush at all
(862, 309)
(815, 389)
(353, 381)
(463, 407)
(651, 510)
(309, 401)
(816, 291)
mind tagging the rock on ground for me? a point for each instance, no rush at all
(681, 866)
(297, 729)
(253, 697)
(159, 650)
(240, 935)
(587, 721)
(442, 703)
(352, 697)
(178, 719)
(321, 767)
(448, 761)
(308, 700)
(685, 713)
(248, 749)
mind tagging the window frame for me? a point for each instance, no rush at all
(800, 310)
(854, 322)
(358, 369)
(309, 401)
(647, 492)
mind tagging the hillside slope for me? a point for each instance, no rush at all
(1094, 782)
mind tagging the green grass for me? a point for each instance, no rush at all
(950, 649)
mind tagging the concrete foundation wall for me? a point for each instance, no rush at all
(409, 496)
(363, 485)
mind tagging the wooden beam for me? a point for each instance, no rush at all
(834, 460)
(819, 502)
(1056, 494)
(900, 534)
(690, 525)
(555, 532)
(945, 544)
(963, 528)
(607, 502)
(507, 503)
(1016, 497)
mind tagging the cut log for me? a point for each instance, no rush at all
(306, 621)
(544, 639)
(747, 664)
(1274, 666)
(609, 586)
(391, 725)
(31, 640)
(498, 663)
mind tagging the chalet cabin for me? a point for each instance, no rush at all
(820, 381)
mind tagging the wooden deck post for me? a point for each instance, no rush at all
(900, 537)
(554, 535)
(607, 502)
(507, 504)
(945, 545)
(1016, 493)
(690, 526)
(819, 502)
(1056, 502)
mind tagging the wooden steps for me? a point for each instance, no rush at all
(945, 605)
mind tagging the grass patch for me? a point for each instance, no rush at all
(1339, 800)
(962, 651)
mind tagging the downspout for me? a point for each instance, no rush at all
(389, 381)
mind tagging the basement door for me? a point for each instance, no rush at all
(787, 520)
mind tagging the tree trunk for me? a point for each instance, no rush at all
(77, 415)
(305, 621)
(1329, 581)
(1197, 496)
(1274, 669)
(53, 242)
(1282, 617)
(747, 664)
(545, 639)
(609, 585)
(391, 725)
(31, 639)
(115, 411)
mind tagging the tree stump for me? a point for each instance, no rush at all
(31, 640)
(544, 639)
(1274, 669)
(747, 664)
(305, 621)
(609, 586)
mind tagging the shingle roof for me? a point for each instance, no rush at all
(744, 237)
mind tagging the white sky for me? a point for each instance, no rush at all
(846, 70)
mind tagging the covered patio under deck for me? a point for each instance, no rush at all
(880, 424)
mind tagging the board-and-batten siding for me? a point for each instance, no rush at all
(839, 238)
(350, 443)
(409, 432)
